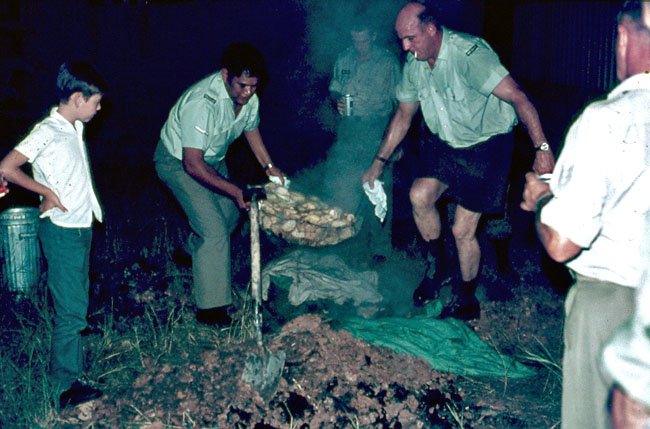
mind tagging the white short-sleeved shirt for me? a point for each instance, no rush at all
(601, 186)
(57, 152)
(204, 118)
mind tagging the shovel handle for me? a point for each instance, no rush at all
(256, 266)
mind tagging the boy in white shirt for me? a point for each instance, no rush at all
(56, 149)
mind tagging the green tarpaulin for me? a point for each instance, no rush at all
(448, 345)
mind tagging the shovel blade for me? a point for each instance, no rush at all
(263, 372)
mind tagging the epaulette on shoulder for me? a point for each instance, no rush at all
(471, 50)
(210, 99)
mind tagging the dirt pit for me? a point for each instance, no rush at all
(333, 380)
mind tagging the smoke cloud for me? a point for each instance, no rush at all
(329, 23)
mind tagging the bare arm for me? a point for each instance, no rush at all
(628, 413)
(561, 249)
(4, 190)
(508, 90)
(397, 129)
(254, 139)
(10, 167)
(195, 166)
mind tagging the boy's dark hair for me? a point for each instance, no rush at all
(245, 58)
(78, 76)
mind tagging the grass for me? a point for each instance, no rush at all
(141, 312)
(456, 414)
(24, 355)
(116, 353)
(140, 315)
(120, 345)
(540, 356)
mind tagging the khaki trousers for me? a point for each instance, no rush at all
(593, 311)
(212, 218)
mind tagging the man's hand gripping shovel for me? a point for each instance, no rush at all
(263, 369)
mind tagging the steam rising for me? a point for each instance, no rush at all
(329, 23)
(328, 26)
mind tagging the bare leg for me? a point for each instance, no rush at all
(469, 252)
(424, 194)
(464, 305)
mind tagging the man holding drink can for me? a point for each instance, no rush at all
(363, 88)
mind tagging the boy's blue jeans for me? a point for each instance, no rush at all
(67, 252)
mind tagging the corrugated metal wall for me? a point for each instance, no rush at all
(566, 43)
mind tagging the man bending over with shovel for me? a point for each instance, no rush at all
(189, 159)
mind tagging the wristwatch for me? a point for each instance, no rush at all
(544, 147)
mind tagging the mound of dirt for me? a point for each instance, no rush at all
(330, 380)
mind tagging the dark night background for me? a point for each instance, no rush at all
(561, 52)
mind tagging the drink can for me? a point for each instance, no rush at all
(348, 105)
(545, 177)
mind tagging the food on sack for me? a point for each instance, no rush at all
(303, 219)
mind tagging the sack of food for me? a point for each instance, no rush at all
(304, 220)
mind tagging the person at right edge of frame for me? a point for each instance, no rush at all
(626, 362)
(593, 216)
(470, 104)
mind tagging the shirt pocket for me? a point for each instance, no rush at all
(424, 92)
(453, 94)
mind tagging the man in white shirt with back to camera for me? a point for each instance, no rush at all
(593, 215)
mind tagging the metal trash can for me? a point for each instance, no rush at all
(20, 251)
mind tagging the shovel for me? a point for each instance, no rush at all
(263, 369)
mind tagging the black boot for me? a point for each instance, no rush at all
(463, 305)
(77, 394)
(215, 316)
(434, 276)
(508, 279)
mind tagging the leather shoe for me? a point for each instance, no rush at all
(78, 393)
(216, 316)
(427, 291)
(463, 307)
(181, 257)
(379, 259)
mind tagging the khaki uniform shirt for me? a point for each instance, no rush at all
(371, 82)
(456, 95)
(204, 118)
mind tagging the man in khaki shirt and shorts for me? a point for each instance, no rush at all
(470, 104)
